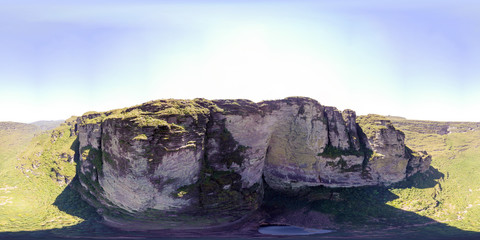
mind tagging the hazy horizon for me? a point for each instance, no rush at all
(414, 59)
(80, 114)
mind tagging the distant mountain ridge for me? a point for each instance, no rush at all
(47, 125)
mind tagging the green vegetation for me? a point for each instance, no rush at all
(165, 108)
(141, 137)
(94, 156)
(220, 194)
(344, 166)
(14, 137)
(445, 201)
(230, 151)
(96, 118)
(334, 152)
(372, 123)
(157, 113)
(36, 167)
(455, 198)
(34, 175)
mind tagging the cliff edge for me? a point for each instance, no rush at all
(196, 163)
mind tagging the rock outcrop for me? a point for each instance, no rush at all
(196, 163)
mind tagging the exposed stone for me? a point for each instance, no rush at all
(350, 118)
(299, 133)
(388, 162)
(419, 162)
(337, 130)
(182, 163)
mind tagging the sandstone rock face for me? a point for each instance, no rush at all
(419, 162)
(168, 160)
(196, 163)
(389, 161)
(338, 135)
(350, 118)
(300, 132)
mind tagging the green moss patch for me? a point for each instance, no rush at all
(220, 193)
(334, 152)
(140, 137)
(230, 151)
(157, 113)
(372, 123)
(343, 166)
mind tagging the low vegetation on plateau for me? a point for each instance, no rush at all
(38, 166)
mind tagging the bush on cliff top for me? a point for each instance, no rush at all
(155, 113)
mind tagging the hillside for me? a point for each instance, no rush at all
(35, 171)
(47, 125)
(13, 139)
(38, 169)
(454, 146)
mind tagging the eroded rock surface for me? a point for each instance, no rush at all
(197, 163)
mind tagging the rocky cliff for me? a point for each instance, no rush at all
(196, 163)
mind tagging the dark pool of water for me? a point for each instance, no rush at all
(291, 231)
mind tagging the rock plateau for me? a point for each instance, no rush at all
(197, 163)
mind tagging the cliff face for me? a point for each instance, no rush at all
(173, 162)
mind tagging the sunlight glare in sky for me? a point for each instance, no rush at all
(417, 59)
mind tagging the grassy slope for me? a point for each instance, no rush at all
(13, 139)
(455, 151)
(28, 178)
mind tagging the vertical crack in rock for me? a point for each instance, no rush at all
(349, 118)
(329, 130)
(204, 164)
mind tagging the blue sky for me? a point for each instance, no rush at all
(417, 59)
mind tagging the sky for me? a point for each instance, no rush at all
(416, 59)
